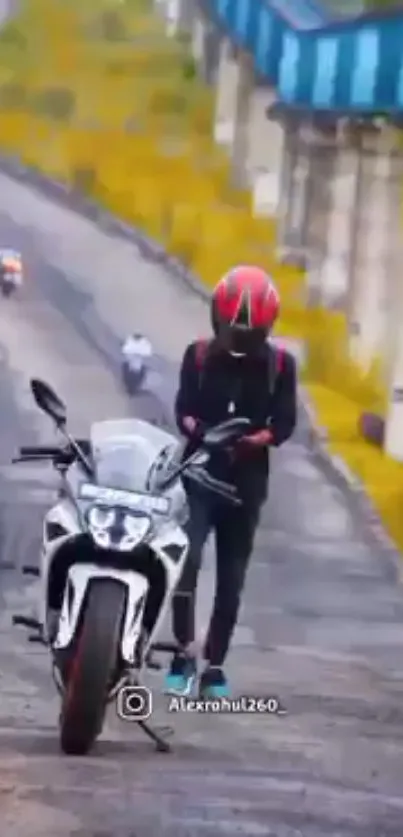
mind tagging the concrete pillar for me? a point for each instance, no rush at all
(235, 81)
(265, 153)
(393, 444)
(205, 47)
(335, 193)
(294, 195)
(226, 91)
(321, 151)
(336, 268)
(393, 346)
(239, 150)
(198, 38)
(179, 16)
(254, 142)
(373, 248)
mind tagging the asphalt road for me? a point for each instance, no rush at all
(321, 626)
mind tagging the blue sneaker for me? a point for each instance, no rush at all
(181, 675)
(213, 684)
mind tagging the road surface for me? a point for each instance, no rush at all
(321, 626)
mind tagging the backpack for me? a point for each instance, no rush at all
(274, 368)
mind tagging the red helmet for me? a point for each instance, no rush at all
(244, 308)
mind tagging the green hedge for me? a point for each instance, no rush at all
(374, 5)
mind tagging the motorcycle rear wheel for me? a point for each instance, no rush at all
(93, 666)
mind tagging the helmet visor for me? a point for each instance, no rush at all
(244, 341)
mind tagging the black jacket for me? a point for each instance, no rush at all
(208, 393)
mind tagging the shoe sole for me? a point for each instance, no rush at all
(182, 692)
(206, 696)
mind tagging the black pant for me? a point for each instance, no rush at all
(234, 528)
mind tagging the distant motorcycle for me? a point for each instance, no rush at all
(11, 271)
(136, 352)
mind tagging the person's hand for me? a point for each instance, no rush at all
(190, 424)
(257, 440)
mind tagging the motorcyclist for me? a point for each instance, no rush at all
(11, 269)
(136, 346)
(244, 375)
(136, 352)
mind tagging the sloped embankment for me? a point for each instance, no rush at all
(97, 95)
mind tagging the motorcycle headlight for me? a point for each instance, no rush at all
(116, 528)
(100, 522)
(100, 518)
(136, 529)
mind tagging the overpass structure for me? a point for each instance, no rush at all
(316, 62)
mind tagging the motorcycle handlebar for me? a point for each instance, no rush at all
(40, 450)
(59, 456)
(223, 489)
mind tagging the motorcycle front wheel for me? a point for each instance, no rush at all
(7, 288)
(92, 668)
(133, 380)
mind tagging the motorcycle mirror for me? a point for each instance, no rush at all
(48, 401)
(226, 432)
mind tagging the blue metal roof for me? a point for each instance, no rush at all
(352, 65)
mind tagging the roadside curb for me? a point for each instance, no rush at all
(340, 474)
(334, 467)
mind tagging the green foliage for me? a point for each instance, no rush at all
(11, 36)
(84, 179)
(169, 102)
(112, 26)
(378, 5)
(189, 69)
(56, 103)
(13, 96)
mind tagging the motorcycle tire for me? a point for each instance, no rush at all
(7, 289)
(133, 380)
(93, 667)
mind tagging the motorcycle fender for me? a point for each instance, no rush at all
(79, 578)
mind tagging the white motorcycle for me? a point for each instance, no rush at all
(112, 554)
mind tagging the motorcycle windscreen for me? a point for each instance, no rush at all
(116, 466)
(125, 452)
(121, 466)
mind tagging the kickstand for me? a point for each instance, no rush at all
(160, 742)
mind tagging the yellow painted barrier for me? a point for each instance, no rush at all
(340, 394)
(14, 131)
(328, 362)
(383, 481)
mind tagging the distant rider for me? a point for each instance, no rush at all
(11, 268)
(136, 346)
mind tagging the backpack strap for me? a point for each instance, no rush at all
(200, 353)
(280, 359)
(276, 365)
(201, 350)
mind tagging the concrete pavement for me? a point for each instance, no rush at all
(321, 626)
